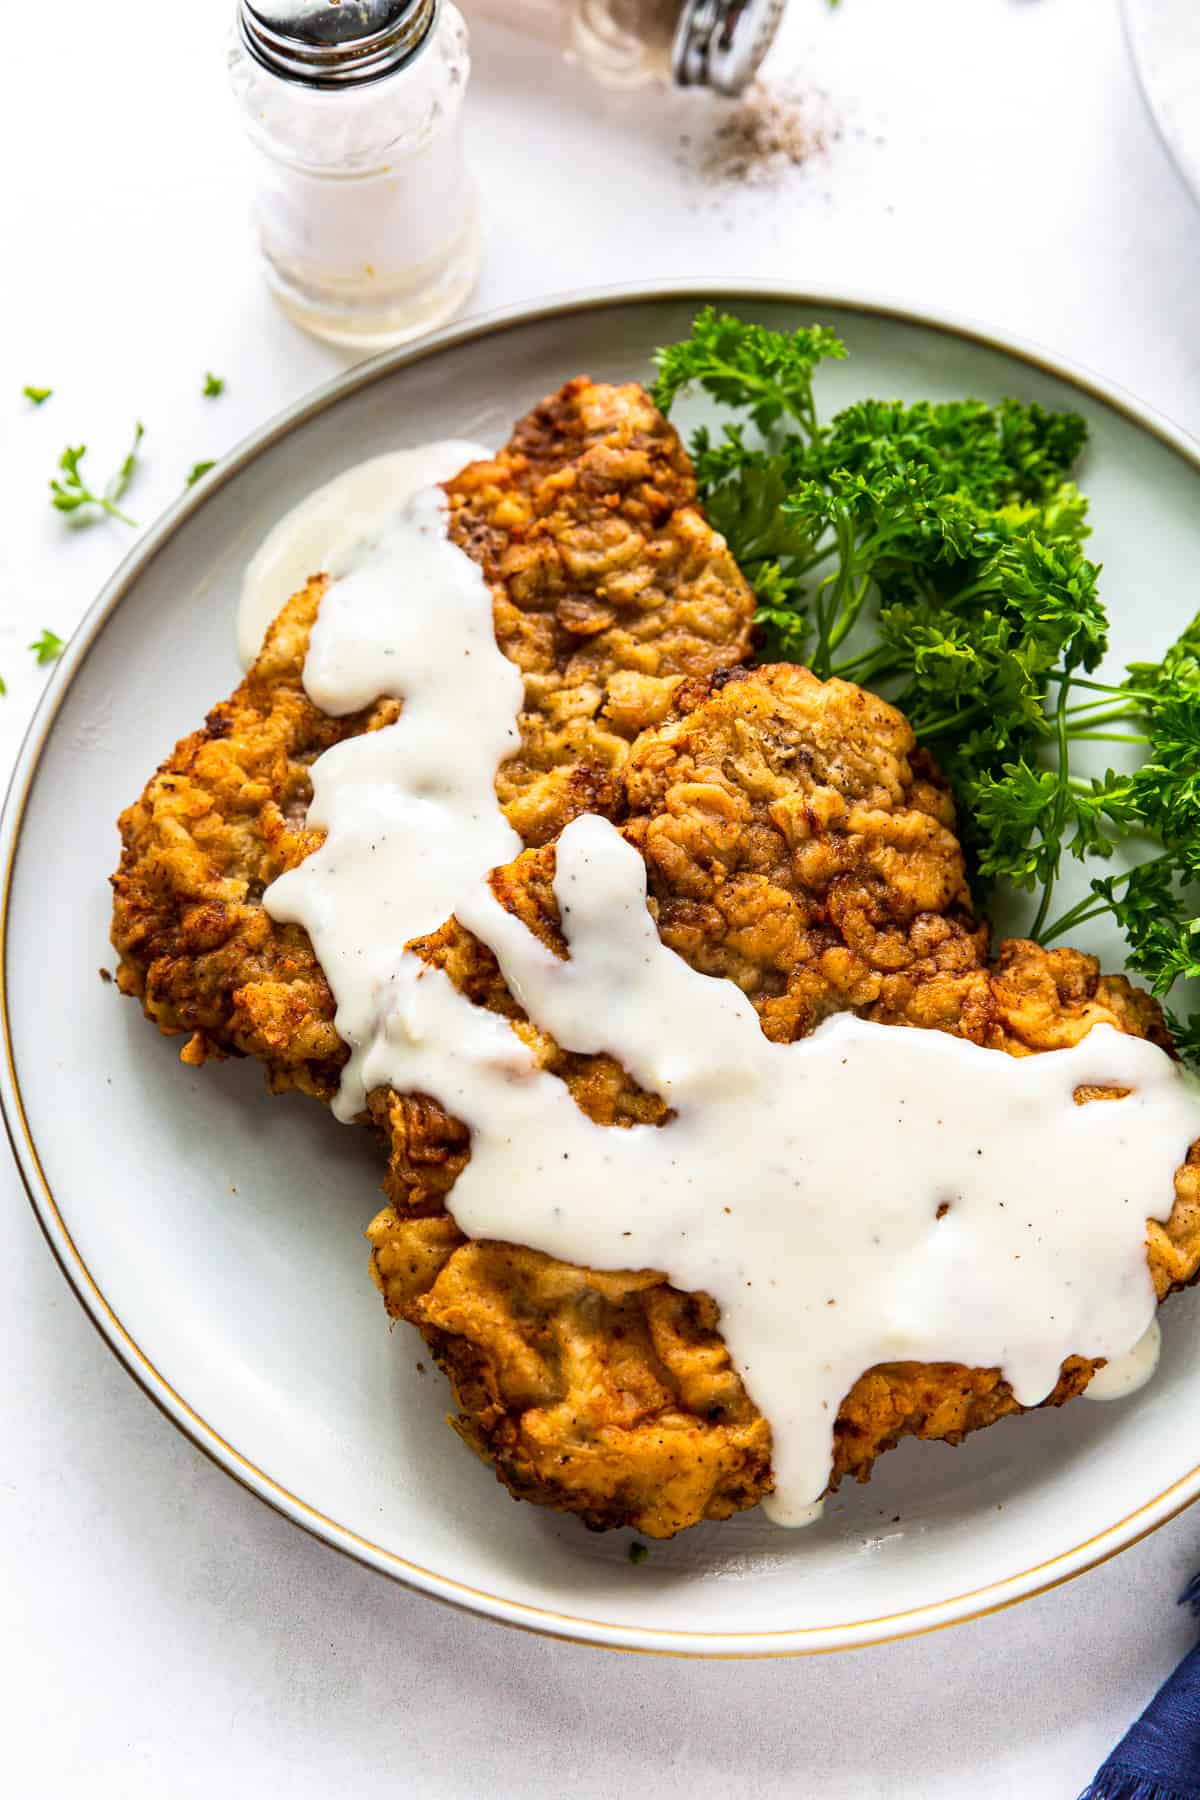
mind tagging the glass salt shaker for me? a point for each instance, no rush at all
(366, 209)
(717, 44)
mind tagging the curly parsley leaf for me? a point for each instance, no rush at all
(1179, 669)
(994, 456)
(48, 647)
(767, 374)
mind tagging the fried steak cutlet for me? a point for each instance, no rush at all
(796, 843)
(608, 587)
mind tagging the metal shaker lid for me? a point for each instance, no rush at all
(334, 43)
(720, 43)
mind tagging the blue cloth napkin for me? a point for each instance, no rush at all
(1159, 1756)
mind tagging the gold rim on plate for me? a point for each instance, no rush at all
(805, 1641)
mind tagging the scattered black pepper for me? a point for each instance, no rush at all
(762, 136)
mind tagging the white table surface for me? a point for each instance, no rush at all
(162, 1633)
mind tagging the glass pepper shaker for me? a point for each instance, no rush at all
(717, 44)
(366, 210)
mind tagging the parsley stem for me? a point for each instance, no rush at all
(1107, 737)
(929, 728)
(1091, 908)
(1061, 799)
(811, 562)
(830, 602)
(1110, 690)
(866, 666)
(1111, 693)
(818, 658)
(849, 615)
(1084, 706)
(1093, 905)
(1035, 930)
(1073, 680)
(1064, 754)
(1092, 716)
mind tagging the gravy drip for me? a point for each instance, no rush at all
(410, 811)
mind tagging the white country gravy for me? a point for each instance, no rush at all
(869, 1194)
(411, 810)
(327, 525)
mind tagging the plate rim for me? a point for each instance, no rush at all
(995, 1596)
(1136, 32)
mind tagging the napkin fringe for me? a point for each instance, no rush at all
(1115, 1783)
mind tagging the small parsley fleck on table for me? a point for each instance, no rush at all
(197, 470)
(37, 395)
(47, 648)
(213, 385)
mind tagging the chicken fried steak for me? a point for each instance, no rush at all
(796, 843)
(607, 586)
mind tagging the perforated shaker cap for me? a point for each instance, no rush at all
(720, 43)
(334, 43)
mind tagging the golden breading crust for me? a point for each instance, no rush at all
(795, 843)
(608, 587)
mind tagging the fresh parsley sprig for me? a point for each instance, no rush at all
(934, 552)
(70, 492)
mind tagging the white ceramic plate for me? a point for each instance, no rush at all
(1164, 40)
(213, 1234)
